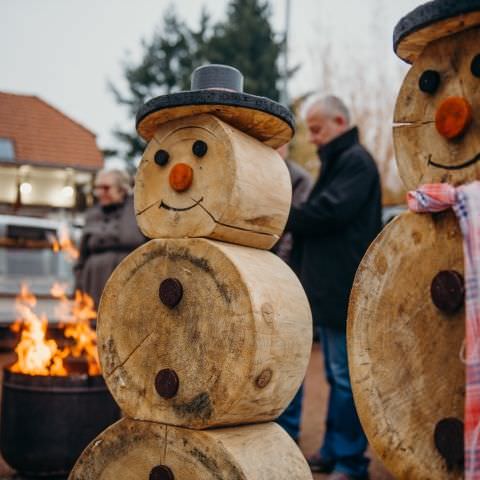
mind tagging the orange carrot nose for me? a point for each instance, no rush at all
(453, 117)
(181, 176)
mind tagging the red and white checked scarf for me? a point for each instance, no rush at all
(465, 201)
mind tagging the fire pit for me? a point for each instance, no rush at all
(47, 421)
(54, 400)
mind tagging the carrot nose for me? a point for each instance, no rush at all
(181, 177)
(453, 117)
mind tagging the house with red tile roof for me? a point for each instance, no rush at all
(47, 159)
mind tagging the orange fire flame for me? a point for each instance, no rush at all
(65, 245)
(38, 355)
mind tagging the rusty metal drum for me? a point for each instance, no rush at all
(47, 421)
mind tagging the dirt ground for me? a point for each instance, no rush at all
(316, 391)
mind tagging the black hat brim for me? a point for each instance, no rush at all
(260, 117)
(431, 21)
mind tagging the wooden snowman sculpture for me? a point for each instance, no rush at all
(204, 334)
(406, 325)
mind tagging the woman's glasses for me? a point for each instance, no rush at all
(102, 188)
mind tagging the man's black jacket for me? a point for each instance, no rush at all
(335, 226)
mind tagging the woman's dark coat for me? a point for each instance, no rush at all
(109, 235)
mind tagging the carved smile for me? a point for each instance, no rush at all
(475, 159)
(175, 209)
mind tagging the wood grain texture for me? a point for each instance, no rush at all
(410, 46)
(239, 340)
(241, 189)
(130, 449)
(418, 145)
(404, 354)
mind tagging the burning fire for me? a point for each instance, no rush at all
(38, 355)
(65, 245)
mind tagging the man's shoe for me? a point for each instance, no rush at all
(318, 465)
(344, 476)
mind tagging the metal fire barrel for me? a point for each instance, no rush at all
(47, 421)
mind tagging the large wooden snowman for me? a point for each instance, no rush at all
(202, 326)
(406, 324)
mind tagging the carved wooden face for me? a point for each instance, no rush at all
(437, 115)
(200, 177)
(181, 184)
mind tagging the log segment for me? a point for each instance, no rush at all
(239, 191)
(199, 333)
(132, 450)
(405, 334)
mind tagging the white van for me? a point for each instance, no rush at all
(27, 256)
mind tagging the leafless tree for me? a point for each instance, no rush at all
(369, 84)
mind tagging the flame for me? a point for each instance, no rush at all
(65, 244)
(37, 355)
(83, 310)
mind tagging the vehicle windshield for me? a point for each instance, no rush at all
(27, 256)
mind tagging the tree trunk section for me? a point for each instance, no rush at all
(229, 346)
(132, 449)
(404, 352)
(240, 193)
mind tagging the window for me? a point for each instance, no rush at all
(7, 151)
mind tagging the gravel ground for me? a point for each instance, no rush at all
(316, 391)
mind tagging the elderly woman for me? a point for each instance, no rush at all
(110, 232)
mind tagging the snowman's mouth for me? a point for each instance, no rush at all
(164, 205)
(466, 164)
(177, 209)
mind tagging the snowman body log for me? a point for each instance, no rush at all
(405, 353)
(132, 450)
(238, 340)
(223, 202)
(406, 325)
(202, 341)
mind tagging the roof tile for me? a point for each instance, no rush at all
(43, 135)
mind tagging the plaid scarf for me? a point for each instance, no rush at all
(465, 201)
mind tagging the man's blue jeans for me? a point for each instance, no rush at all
(344, 443)
(290, 419)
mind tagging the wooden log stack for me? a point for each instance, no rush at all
(204, 335)
(406, 325)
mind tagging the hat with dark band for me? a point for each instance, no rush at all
(218, 90)
(431, 21)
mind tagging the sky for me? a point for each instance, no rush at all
(66, 51)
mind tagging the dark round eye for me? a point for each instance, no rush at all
(199, 148)
(429, 81)
(475, 67)
(161, 157)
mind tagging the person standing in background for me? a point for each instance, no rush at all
(332, 231)
(290, 419)
(110, 232)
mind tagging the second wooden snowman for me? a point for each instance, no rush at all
(406, 324)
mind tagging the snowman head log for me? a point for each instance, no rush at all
(201, 177)
(437, 115)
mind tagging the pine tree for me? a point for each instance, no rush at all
(168, 60)
(244, 40)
